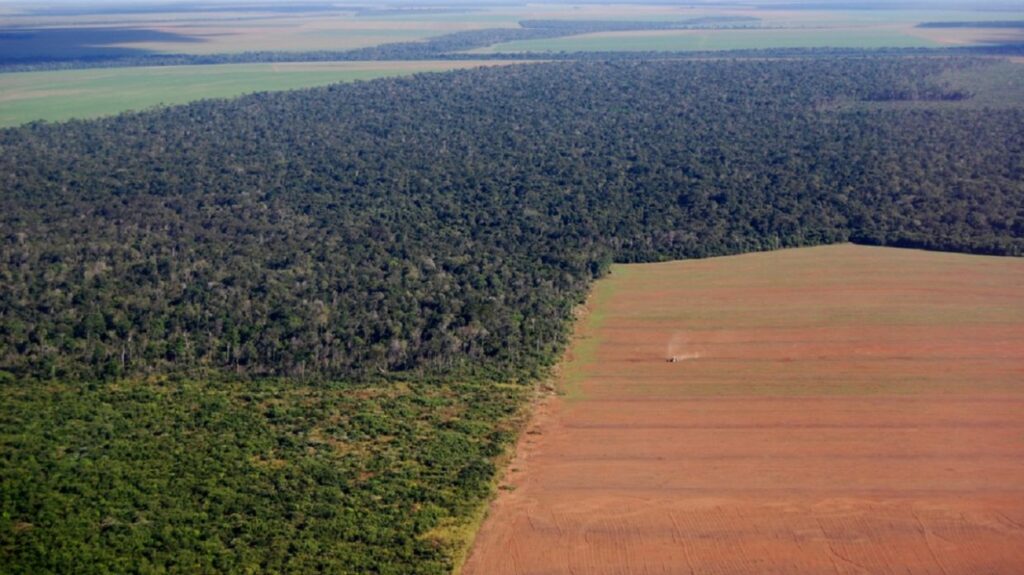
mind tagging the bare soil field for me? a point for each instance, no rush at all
(841, 409)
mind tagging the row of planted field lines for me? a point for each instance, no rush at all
(839, 409)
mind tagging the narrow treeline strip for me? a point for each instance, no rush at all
(979, 24)
(371, 54)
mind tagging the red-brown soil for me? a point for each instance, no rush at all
(842, 409)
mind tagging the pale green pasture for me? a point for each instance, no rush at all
(918, 16)
(66, 94)
(697, 40)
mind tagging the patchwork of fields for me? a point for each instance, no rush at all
(845, 408)
(789, 29)
(65, 94)
(231, 32)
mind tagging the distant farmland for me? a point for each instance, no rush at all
(215, 33)
(682, 40)
(828, 408)
(67, 94)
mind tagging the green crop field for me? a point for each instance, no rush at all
(67, 94)
(688, 40)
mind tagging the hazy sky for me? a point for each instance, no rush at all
(38, 3)
(1013, 4)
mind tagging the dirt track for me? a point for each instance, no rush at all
(839, 410)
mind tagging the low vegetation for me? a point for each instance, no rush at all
(213, 476)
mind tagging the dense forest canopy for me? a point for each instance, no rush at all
(448, 223)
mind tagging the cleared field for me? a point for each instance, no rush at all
(840, 409)
(66, 94)
(296, 35)
(689, 40)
